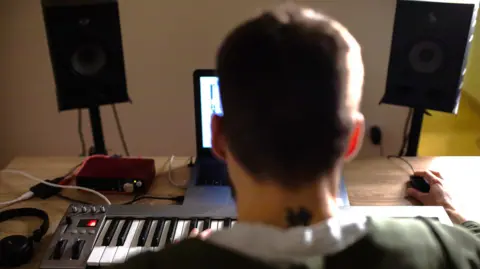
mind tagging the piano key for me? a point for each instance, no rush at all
(171, 231)
(199, 226)
(142, 239)
(111, 249)
(148, 242)
(158, 232)
(122, 252)
(219, 225)
(233, 223)
(98, 249)
(193, 224)
(227, 223)
(110, 232)
(164, 235)
(213, 225)
(134, 248)
(206, 224)
(178, 231)
(186, 228)
(123, 233)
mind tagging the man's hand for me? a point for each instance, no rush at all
(202, 235)
(437, 196)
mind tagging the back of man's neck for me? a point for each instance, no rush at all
(272, 206)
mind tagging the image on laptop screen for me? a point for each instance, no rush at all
(210, 105)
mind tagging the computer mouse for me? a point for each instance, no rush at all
(419, 184)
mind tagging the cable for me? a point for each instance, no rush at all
(120, 130)
(80, 134)
(177, 199)
(401, 152)
(27, 175)
(382, 152)
(23, 197)
(72, 200)
(404, 160)
(170, 175)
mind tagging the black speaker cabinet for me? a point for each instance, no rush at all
(430, 45)
(85, 43)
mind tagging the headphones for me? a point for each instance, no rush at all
(16, 250)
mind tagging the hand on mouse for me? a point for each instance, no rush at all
(437, 196)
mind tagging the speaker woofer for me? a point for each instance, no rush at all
(89, 60)
(426, 57)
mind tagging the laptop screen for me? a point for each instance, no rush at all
(210, 105)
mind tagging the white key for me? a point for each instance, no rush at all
(178, 231)
(233, 223)
(98, 249)
(163, 237)
(122, 252)
(200, 226)
(186, 226)
(148, 243)
(110, 251)
(213, 225)
(220, 225)
(134, 249)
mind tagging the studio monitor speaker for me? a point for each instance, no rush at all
(429, 51)
(86, 52)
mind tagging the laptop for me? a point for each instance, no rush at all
(210, 184)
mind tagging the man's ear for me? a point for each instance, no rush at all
(219, 143)
(355, 140)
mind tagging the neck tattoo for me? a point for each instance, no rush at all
(299, 217)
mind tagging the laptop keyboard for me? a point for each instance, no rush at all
(213, 174)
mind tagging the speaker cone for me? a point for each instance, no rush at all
(89, 60)
(426, 57)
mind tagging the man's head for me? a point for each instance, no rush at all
(291, 83)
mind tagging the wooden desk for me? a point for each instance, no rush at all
(369, 182)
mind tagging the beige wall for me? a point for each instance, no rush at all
(164, 41)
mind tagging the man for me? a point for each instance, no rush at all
(291, 83)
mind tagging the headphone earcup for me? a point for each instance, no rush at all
(15, 250)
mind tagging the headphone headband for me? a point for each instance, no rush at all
(29, 212)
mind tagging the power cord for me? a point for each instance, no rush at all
(120, 130)
(406, 128)
(402, 159)
(27, 175)
(26, 196)
(80, 134)
(71, 200)
(170, 172)
(176, 199)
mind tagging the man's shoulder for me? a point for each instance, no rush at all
(193, 253)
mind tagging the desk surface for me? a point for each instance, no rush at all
(369, 182)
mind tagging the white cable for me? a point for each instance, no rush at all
(26, 196)
(170, 176)
(27, 175)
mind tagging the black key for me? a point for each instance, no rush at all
(157, 233)
(110, 232)
(142, 239)
(193, 224)
(227, 223)
(77, 249)
(124, 232)
(171, 231)
(59, 249)
(207, 223)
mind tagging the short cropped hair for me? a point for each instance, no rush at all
(289, 81)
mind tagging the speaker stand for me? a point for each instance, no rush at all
(415, 130)
(97, 131)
